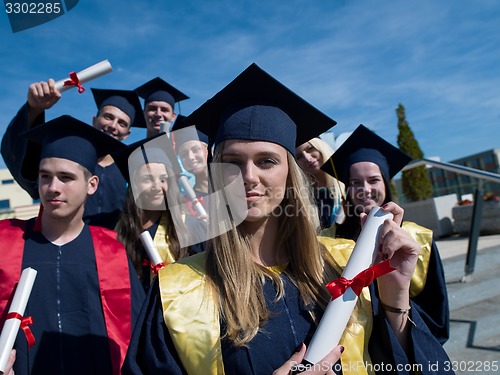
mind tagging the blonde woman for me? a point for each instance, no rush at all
(311, 155)
(251, 302)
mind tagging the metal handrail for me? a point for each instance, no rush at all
(470, 259)
(460, 169)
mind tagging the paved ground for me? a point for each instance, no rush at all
(450, 247)
(474, 344)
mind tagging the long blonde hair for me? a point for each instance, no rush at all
(335, 186)
(237, 281)
(326, 153)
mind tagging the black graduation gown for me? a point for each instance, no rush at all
(102, 208)
(16, 150)
(432, 302)
(66, 307)
(152, 351)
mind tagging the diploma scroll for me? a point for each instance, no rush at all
(198, 207)
(151, 250)
(165, 126)
(17, 307)
(337, 313)
(93, 72)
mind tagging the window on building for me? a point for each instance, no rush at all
(7, 182)
(489, 163)
(4, 204)
(465, 180)
(474, 163)
(451, 177)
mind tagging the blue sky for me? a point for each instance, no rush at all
(354, 60)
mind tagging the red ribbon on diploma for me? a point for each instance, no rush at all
(25, 323)
(338, 287)
(190, 204)
(154, 268)
(74, 81)
(157, 267)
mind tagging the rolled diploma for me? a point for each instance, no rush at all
(18, 305)
(92, 72)
(337, 313)
(200, 210)
(165, 126)
(151, 249)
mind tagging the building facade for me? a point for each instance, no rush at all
(14, 201)
(447, 182)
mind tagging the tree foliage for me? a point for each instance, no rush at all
(416, 182)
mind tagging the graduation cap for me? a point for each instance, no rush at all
(125, 100)
(365, 145)
(66, 137)
(149, 150)
(183, 137)
(159, 90)
(255, 106)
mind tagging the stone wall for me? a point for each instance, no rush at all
(490, 218)
(433, 213)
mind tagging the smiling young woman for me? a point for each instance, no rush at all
(366, 163)
(249, 303)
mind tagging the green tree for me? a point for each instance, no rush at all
(416, 182)
(394, 191)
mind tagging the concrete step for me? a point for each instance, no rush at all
(475, 324)
(474, 344)
(482, 284)
(486, 259)
(485, 285)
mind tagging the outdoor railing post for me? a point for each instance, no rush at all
(475, 229)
